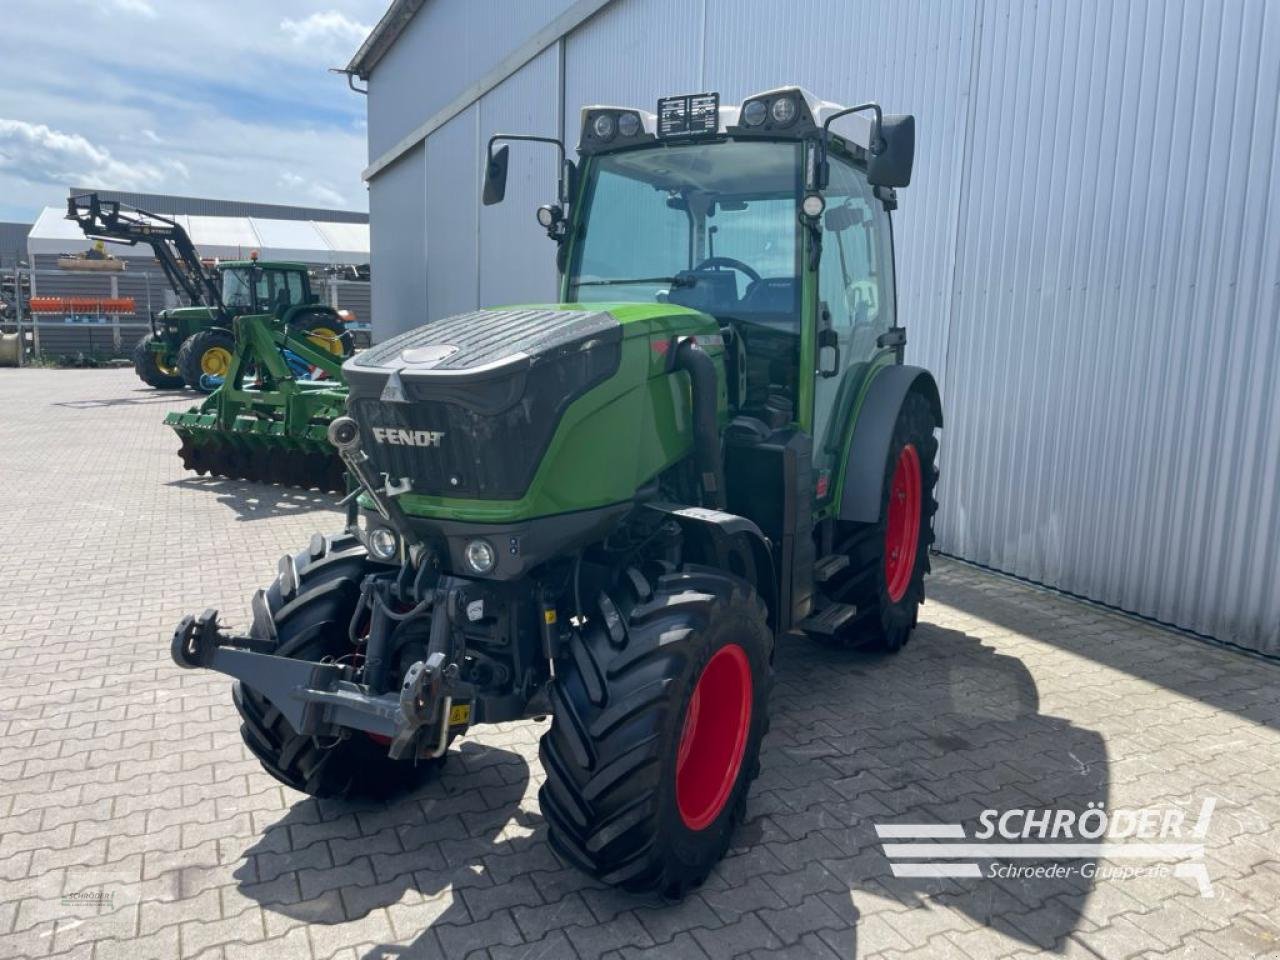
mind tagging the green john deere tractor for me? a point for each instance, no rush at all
(193, 345)
(611, 509)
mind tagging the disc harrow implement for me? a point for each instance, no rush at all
(264, 423)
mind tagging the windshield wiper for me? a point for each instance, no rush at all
(684, 280)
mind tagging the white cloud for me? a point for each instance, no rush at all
(139, 8)
(40, 154)
(219, 125)
(314, 190)
(328, 30)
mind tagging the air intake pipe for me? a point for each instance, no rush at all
(706, 434)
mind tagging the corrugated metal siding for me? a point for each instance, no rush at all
(517, 261)
(398, 244)
(453, 202)
(446, 47)
(1088, 259)
(1115, 409)
(13, 242)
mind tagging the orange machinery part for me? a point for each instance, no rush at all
(95, 305)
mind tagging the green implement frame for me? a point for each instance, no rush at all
(264, 424)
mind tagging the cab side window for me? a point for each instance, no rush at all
(855, 293)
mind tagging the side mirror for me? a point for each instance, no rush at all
(495, 176)
(568, 182)
(891, 166)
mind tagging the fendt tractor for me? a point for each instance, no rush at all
(193, 345)
(609, 510)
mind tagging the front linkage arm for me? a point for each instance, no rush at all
(319, 699)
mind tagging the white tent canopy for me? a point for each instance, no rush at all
(228, 238)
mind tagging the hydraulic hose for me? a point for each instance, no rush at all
(706, 433)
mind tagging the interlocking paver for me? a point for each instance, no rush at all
(121, 773)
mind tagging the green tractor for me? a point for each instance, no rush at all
(611, 510)
(193, 345)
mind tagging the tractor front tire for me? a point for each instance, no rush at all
(659, 707)
(311, 621)
(891, 557)
(152, 366)
(207, 353)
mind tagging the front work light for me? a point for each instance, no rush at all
(604, 126)
(480, 556)
(628, 124)
(783, 110)
(754, 112)
(813, 205)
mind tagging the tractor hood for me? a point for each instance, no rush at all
(527, 411)
(466, 406)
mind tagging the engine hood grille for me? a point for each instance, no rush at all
(483, 339)
(467, 406)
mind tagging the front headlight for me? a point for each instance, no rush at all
(754, 112)
(783, 110)
(604, 126)
(383, 543)
(480, 556)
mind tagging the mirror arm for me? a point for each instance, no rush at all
(530, 138)
(876, 143)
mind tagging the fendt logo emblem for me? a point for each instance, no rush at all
(408, 438)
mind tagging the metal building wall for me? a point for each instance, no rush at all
(1112, 360)
(398, 243)
(1088, 257)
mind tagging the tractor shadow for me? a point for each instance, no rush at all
(435, 857)
(936, 734)
(140, 398)
(259, 501)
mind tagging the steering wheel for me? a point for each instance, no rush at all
(729, 262)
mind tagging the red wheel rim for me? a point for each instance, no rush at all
(902, 529)
(714, 737)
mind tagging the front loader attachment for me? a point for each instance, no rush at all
(264, 423)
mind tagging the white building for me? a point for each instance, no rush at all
(1089, 253)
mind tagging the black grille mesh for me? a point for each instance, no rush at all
(487, 451)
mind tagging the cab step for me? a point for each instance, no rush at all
(826, 569)
(829, 620)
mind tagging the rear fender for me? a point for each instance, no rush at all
(868, 453)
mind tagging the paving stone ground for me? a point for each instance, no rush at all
(134, 824)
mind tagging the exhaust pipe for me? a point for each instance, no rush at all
(692, 359)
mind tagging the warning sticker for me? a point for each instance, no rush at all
(691, 115)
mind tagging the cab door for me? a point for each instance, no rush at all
(855, 306)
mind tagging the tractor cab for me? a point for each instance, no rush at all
(254, 287)
(772, 216)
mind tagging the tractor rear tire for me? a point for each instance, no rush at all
(890, 558)
(312, 610)
(644, 782)
(151, 368)
(327, 334)
(208, 352)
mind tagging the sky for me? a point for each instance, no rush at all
(229, 99)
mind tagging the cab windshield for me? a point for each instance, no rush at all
(711, 226)
(236, 290)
